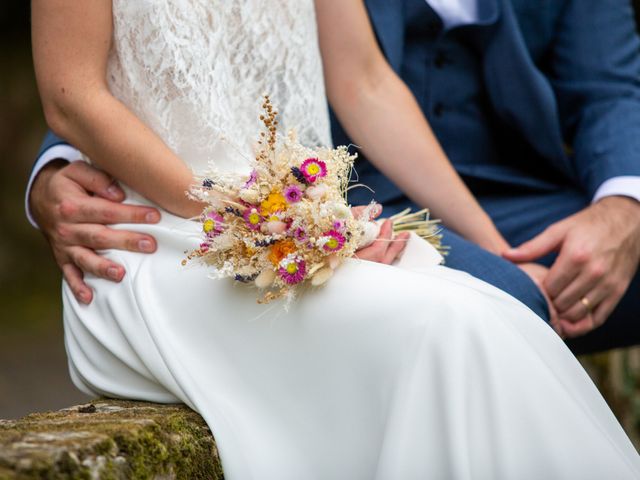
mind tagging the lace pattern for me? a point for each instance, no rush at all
(195, 71)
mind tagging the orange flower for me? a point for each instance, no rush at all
(281, 249)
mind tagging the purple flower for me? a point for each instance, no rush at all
(293, 194)
(253, 176)
(300, 234)
(295, 171)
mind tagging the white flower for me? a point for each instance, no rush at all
(316, 192)
(265, 279)
(341, 211)
(334, 261)
(321, 276)
(370, 233)
(250, 195)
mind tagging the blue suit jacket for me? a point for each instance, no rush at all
(564, 74)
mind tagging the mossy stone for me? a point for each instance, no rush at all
(109, 440)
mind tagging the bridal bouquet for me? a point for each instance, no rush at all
(287, 222)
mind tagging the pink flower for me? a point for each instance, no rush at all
(292, 269)
(252, 218)
(334, 241)
(293, 194)
(212, 224)
(312, 169)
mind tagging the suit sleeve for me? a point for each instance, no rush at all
(52, 148)
(595, 73)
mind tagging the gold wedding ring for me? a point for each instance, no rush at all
(587, 304)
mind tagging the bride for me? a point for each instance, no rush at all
(387, 372)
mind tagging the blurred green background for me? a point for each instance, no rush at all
(33, 374)
(33, 371)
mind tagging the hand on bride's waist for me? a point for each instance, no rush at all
(74, 205)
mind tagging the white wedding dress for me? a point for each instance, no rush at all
(404, 372)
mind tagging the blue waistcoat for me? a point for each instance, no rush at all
(536, 95)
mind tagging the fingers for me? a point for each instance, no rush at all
(94, 181)
(376, 252)
(101, 211)
(579, 309)
(576, 329)
(547, 242)
(374, 212)
(99, 237)
(396, 247)
(386, 248)
(564, 270)
(74, 277)
(90, 262)
(592, 319)
(570, 296)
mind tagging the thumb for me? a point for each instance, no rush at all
(94, 181)
(546, 242)
(375, 209)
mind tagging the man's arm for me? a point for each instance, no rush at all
(53, 148)
(595, 72)
(73, 203)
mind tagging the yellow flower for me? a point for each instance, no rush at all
(208, 225)
(275, 202)
(332, 243)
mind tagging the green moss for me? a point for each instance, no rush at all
(119, 440)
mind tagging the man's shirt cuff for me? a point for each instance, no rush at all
(627, 186)
(64, 152)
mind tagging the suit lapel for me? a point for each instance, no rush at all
(520, 93)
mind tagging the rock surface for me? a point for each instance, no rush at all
(109, 439)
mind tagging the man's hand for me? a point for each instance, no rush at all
(386, 248)
(72, 204)
(599, 251)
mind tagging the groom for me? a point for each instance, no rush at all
(537, 105)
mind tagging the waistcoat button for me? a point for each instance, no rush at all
(441, 59)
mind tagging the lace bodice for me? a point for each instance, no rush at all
(195, 72)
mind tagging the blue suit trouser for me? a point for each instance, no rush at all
(520, 215)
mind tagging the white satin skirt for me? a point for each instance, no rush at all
(402, 372)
